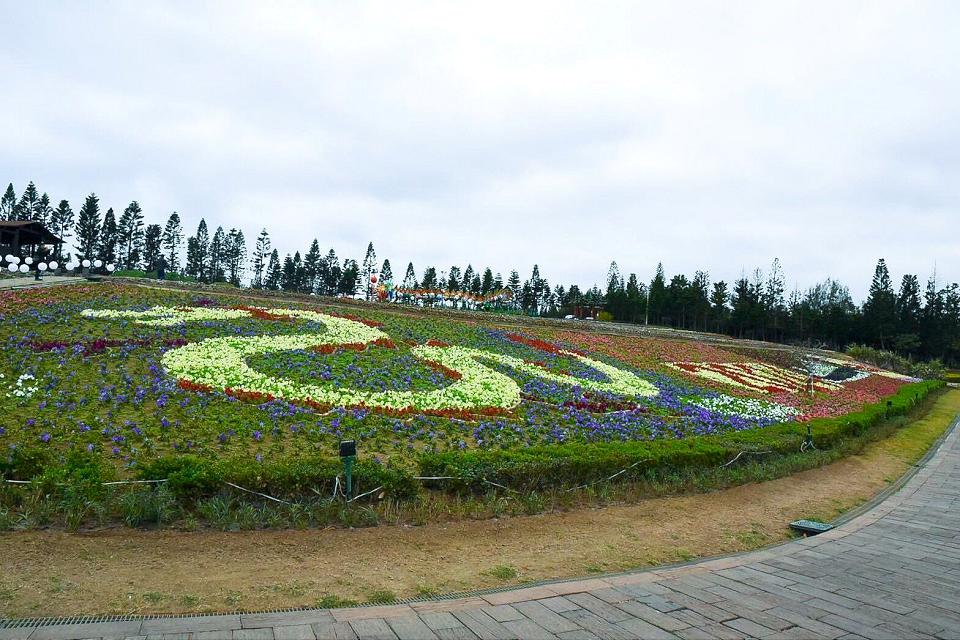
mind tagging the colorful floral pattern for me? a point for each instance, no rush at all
(133, 374)
(221, 363)
(765, 378)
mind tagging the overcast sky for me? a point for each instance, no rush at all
(703, 135)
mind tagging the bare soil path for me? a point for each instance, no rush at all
(124, 571)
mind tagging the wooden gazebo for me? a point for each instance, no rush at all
(19, 236)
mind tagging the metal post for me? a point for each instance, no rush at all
(348, 472)
(348, 454)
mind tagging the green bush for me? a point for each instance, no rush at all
(930, 370)
(191, 478)
(72, 486)
(567, 465)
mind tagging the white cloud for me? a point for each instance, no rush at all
(702, 135)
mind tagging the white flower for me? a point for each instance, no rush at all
(221, 363)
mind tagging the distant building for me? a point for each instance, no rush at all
(24, 238)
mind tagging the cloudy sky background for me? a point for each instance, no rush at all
(703, 135)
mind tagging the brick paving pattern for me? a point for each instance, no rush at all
(893, 572)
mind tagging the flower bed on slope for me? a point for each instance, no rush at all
(145, 382)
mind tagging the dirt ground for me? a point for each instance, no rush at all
(123, 571)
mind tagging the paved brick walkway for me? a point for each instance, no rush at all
(893, 572)
(29, 282)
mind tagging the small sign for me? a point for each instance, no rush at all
(348, 448)
(810, 527)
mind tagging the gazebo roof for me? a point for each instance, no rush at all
(30, 232)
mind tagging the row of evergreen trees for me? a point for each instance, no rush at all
(126, 242)
(910, 321)
(919, 324)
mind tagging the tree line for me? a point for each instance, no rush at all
(912, 322)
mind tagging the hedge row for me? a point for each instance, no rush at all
(542, 467)
(529, 469)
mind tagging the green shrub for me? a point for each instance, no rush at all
(574, 464)
(930, 370)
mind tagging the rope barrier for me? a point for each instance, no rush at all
(365, 494)
(257, 493)
(742, 453)
(338, 487)
(607, 479)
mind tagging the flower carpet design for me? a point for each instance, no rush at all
(765, 378)
(132, 375)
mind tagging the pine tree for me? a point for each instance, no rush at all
(453, 279)
(430, 279)
(634, 299)
(43, 213)
(332, 273)
(107, 248)
(261, 253)
(194, 266)
(215, 270)
(288, 276)
(410, 277)
(497, 282)
(311, 267)
(8, 204)
(274, 273)
(151, 247)
(88, 227)
(298, 273)
(202, 252)
(513, 283)
(236, 256)
(486, 285)
(909, 311)
(880, 308)
(172, 238)
(329, 274)
(130, 235)
(349, 276)
(27, 207)
(658, 297)
(467, 280)
(718, 304)
(62, 225)
(386, 272)
(368, 269)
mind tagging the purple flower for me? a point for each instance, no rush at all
(257, 436)
(45, 437)
(116, 451)
(90, 448)
(259, 457)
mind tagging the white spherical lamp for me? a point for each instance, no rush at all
(54, 265)
(24, 268)
(98, 263)
(28, 260)
(12, 268)
(8, 258)
(15, 259)
(42, 266)
(85, 263)
(110, 268)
